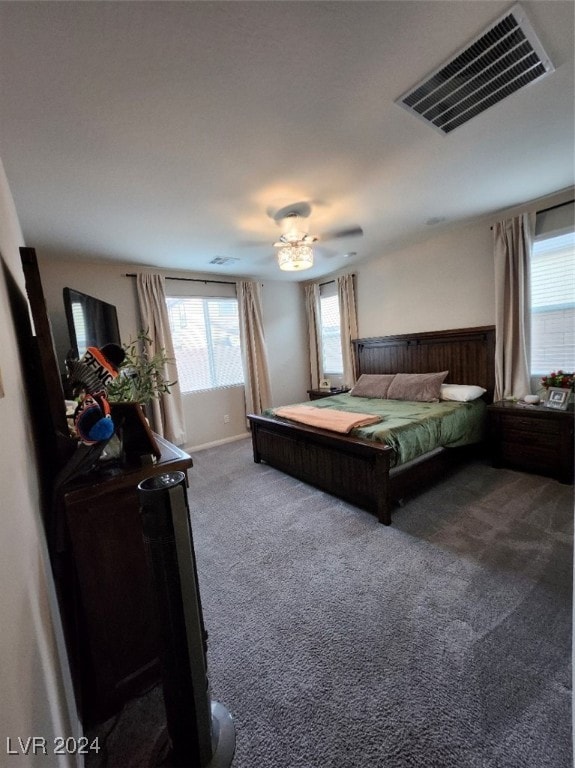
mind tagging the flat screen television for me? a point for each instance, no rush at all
(91, 322)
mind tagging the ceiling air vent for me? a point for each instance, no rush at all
(507, 56)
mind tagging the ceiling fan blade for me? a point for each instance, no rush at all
(324, 252)
(338, 233)
(251, 243)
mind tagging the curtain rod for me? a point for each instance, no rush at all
(191, 279)
(559, 205)
(333, 279)
(551, 208)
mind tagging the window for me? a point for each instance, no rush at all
(553, 304)
(206, 336)
(332, 360)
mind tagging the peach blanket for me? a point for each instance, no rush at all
(326, 418)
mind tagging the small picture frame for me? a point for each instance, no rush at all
(325, 384)
(557, 398)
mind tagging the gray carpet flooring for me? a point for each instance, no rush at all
(443, 641)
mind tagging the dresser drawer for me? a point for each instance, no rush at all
(542, 438)
(529, 454)
(529, 425)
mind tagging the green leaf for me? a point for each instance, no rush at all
(142, 375)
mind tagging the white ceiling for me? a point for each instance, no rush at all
(164, 133)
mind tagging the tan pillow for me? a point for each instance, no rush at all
(424, 387)
(372, 385)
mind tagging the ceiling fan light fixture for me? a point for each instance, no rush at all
(291, 227)
(295, 257)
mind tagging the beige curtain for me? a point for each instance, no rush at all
(311, 300)
(512, 240)
(348, 320)
(254, 353)
(167, 411)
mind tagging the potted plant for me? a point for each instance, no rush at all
(141, 379)
(142, 375)
(558, 379)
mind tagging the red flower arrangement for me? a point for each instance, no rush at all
(558, 379)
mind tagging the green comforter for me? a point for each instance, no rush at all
(413, 428)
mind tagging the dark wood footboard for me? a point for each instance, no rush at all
(352, 469)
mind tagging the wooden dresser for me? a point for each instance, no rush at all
(532, 438)
(110, 607)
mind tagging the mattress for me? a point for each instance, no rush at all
(411, 428)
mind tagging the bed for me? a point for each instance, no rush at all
(362, 471)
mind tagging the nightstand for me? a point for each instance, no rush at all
(532, 438)
(317, 394)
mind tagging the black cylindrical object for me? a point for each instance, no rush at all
(201, 732)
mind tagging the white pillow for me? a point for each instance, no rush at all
(461, 392)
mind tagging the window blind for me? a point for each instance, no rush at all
(332, 361)
(553, 304)
(206, 337)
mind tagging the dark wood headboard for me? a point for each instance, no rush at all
(467, 353)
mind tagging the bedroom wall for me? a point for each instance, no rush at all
(286, 336)
(104, 281)
(445, 281)
(203, 411)
(35, 689)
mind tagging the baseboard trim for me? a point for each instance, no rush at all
(203, 446)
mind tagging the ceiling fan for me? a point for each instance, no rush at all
(294, 244)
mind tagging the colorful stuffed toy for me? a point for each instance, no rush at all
(89, 377)
(92, 419)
